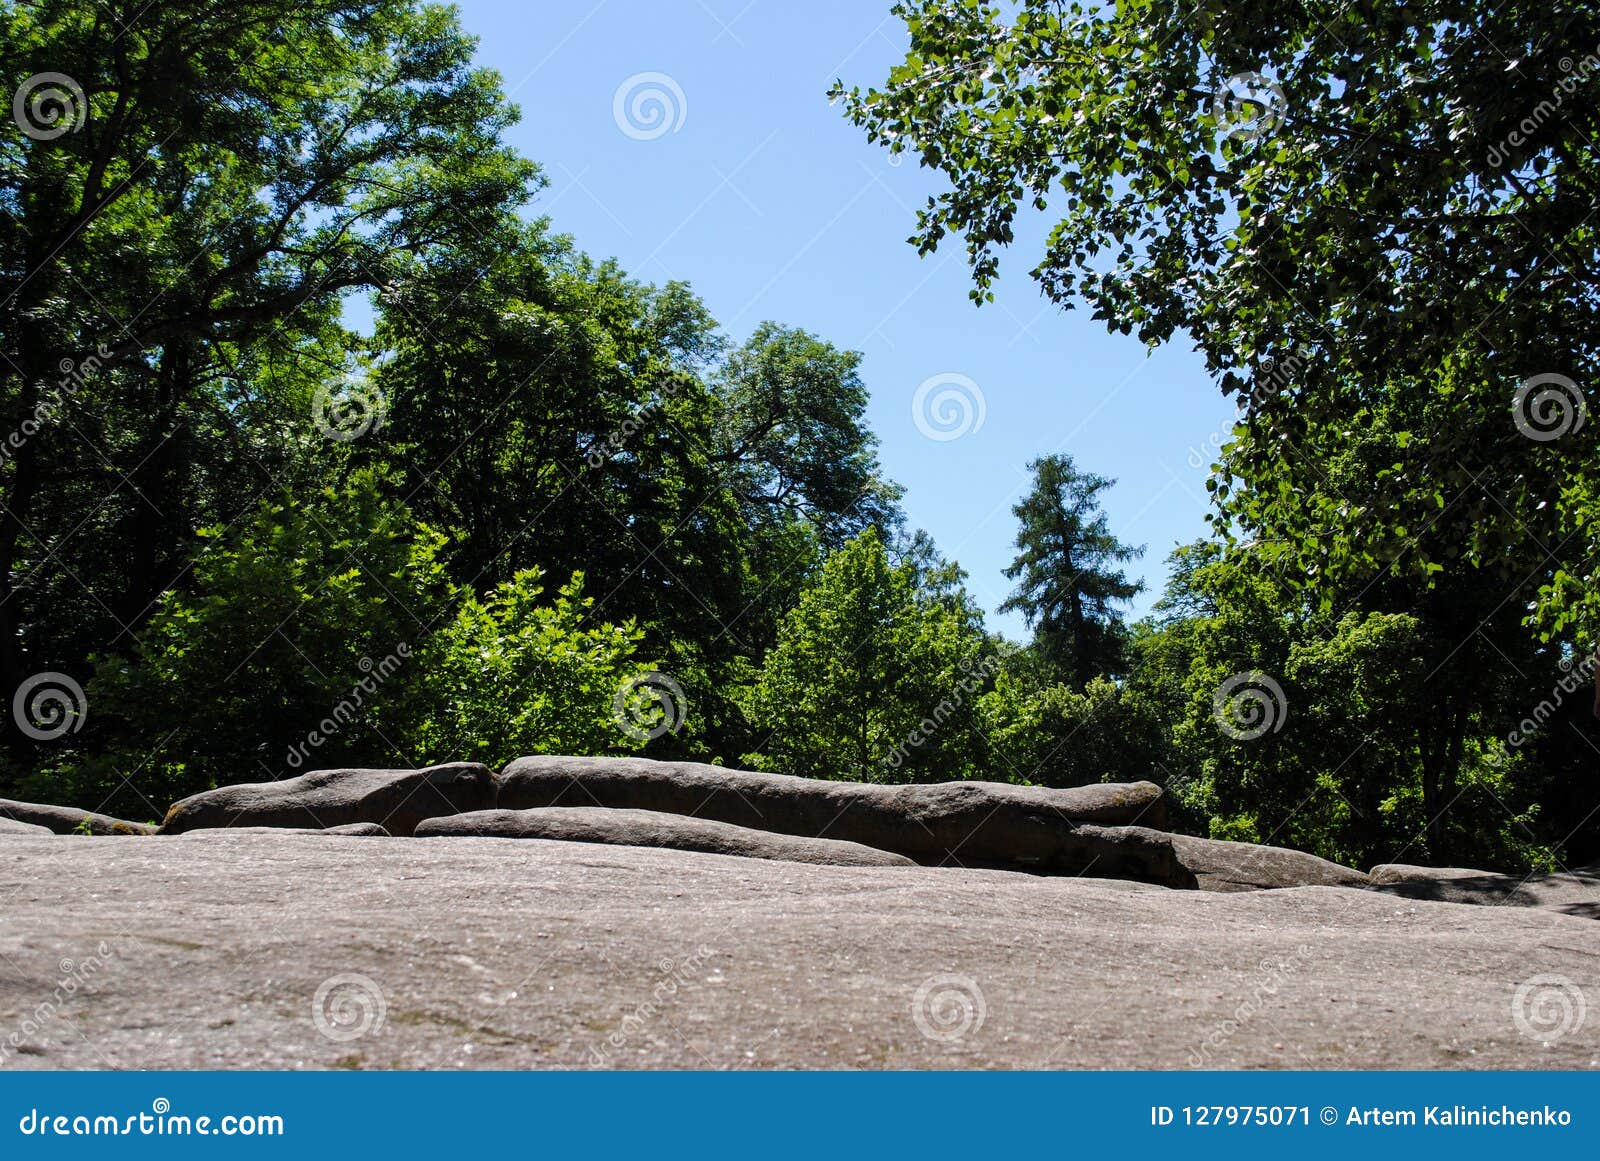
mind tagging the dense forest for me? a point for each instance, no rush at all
(538, 505)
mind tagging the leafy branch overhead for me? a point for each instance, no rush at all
(1374, 222)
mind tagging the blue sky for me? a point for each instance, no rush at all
(758, 192)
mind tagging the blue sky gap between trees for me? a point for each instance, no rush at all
(772, 206)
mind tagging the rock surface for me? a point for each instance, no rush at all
(967, 824)
(1575, 892)
(12, 826)
(349, 830)
(360, 830)
(69, 819)
(650, 828)
(481, 953)
(1388, 874)
(394, 799)
(1228, 866)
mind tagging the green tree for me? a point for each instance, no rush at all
(790, 425)
(1185, 150)
(1054, 735)
(187, 525)
(1435, 273)
(543, 410)
(555, 413)
(1373, 225)
(225, 172)
(288, 618)
(1325, 732)
(1069, 589)
(871, 679)
(513, 674)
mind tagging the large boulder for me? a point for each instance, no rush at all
(69, 819)
(1575, 892)
(12, 826)
(650, 828)
(1227, 866)
(349, 830)
(360, 830)
(1388, 874)
(973, 824)
(395, 799)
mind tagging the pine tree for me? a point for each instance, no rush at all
(1069, 588)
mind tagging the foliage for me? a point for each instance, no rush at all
(1380, 240)
(789, 418)
(285, 617)
(1055, 735)
(1373, 222)
(1371, 259)
(236, 174)
(1342, 755)
(178, 260)
(872, 678)
(512, 674)
(1069, 589)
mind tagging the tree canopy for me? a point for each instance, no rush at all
(1069, 587)
(1364, 216)
(541, 504)
(1375, 225)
